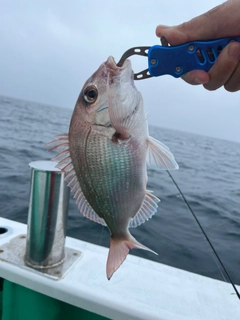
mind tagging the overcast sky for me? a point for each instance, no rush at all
(49, 48)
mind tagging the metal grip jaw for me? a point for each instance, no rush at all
(178, 60)
(140, 51)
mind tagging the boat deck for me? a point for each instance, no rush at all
(140, 289)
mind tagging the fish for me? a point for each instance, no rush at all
(105, 156)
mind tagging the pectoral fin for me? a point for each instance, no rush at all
(159, 156)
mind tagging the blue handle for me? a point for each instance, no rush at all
(177, 60)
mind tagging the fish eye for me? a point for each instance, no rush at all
(90, 94)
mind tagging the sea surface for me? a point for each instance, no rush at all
(209, 178)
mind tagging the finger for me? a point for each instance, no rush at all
(233, 84)
(171, 35)
(196, 77)
(214, 24)
(224, 66)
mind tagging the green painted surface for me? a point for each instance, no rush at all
(20, 303)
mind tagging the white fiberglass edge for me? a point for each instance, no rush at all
(140, 289)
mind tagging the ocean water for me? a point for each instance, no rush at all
(209, 177)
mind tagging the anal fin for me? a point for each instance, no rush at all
(147, 210)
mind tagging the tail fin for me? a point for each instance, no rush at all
(118, 252)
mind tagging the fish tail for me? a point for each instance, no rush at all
(118, 252)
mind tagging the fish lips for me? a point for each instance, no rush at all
(123, 73)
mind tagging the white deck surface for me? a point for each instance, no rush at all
(140, 289)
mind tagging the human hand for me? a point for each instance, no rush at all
(221, 21)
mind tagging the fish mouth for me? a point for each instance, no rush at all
(123, 73)
(111, 63)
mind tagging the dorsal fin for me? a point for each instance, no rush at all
(159, 156)
(65, 164)
(147, 210)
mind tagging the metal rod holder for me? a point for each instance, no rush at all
(47, 216)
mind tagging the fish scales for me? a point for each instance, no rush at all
(111, 175)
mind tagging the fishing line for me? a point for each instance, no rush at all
(206, 236)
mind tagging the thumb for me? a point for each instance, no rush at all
(219, 22)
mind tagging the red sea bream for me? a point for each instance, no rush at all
(105, 157)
